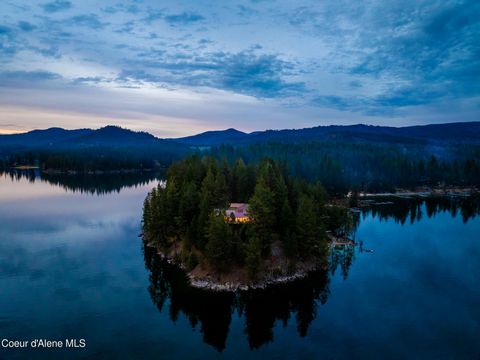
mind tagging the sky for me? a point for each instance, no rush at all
(177, 68)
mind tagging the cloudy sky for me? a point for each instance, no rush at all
(180, 67)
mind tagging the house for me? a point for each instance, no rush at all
(237, 212)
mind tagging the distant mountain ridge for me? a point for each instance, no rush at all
(114, 136)
(109, 136)
(42, 137)
(107, 149)
(466, 132)
(215, 137)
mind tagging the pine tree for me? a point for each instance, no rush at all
(287, 229)
(188, 206)
(253, 257)
(262, 212)
(207, 205)
(219, 245)
(221, 191)
(308, 232)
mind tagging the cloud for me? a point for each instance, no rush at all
(8, 46)
(26, 26)
(184, 18)
(414, 53)
(113, 9)
(362, 60)
(87, 20)
(57, 5)
(127, 27)
(26, 78)
(204, 41)
(5, 30)
(91, 80)
(153, 15)
(244, 72)
(50, 51)
(260, 75)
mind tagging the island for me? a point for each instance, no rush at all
(234, 226)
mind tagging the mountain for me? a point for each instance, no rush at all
(467, 132)
(107, 149)
(338, 156)
(108, 136)
(47, 137)
(116, 137)
(461, 131)
(212, 138)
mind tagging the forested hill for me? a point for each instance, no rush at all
(467, 132)
(113, 136)
(61, 138)
(373, 158)
(105, 149)
(213, 138)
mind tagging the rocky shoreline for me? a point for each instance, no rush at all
(211, 284)
(233, 287)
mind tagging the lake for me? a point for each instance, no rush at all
(72, 266)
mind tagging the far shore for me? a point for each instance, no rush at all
(80, 172)
(94, 172)
(425, 192)
(26, 167)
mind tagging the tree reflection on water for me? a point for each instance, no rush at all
(213, 312)
(95, 184)
(299, 301)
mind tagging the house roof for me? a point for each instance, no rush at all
(237, 205)
(238, 209)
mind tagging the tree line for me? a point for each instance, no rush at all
(93, 159)
(343, 166)
(339, 166)
(189, 211)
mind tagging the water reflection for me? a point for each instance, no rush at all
(213, 312)
(413, 209)
(80, 256)
(260, 310)
(342, 257)
(97, 184)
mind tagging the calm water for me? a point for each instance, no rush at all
(72, 266)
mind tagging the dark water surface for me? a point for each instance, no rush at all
(72, 266)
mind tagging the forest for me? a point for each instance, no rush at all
(289, 216)
(93, 159)
(362, 158)
(343, 166)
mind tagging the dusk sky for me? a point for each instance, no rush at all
(176, 68)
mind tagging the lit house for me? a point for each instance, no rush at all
(237, 212)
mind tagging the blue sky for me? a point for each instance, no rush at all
(180, 67)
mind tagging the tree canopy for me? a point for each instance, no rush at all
(190, 207)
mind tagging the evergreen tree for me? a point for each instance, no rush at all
(188, 212)
(253, 257)
(221, 192)
(207, 205)
(262, 212)
(287, 227)
(308, 231)
(219, 246)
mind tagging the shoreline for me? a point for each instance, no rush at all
(209, 283)
(94, 172)
(425, 192)
(205, 278)
(79, 172)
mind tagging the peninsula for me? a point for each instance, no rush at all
(237, 226)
